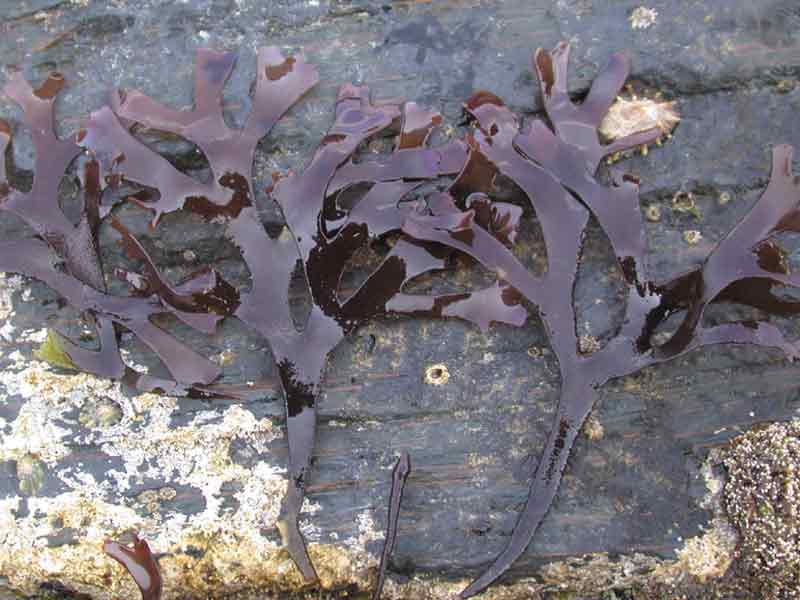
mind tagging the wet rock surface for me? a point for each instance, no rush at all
(80, 460)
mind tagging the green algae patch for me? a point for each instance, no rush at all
(52, 352)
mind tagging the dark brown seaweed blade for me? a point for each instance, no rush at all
(556, 171)
(399, 476)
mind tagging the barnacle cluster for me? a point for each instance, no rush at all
(762, 499)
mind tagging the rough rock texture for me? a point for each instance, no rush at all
(638, 512)
(761, 498)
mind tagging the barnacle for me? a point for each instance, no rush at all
(692, 236)
(627, 116)
(762, 500)
(437, 374)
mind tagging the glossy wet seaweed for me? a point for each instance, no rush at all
(555, 168)
(554, 163)
(140, 563)
(400, 474)
(318, 232)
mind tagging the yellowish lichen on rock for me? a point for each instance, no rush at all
(593, 428)
(708, 556)
(100, 413)
(428, 589)
(594, 572)
(221, 549)
(30, 475)
(27, 560)
(38, 428)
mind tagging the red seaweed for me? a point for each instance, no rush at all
(140, 564)
(318, 232)
(556, 169)
(400, 474)
(554, 163)
(66, 258)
